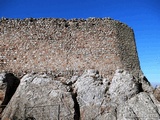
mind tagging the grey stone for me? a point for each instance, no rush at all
(125, 112)
(142, 106)
(85, 97)
(90, 73)
(98, 112)
(123, 87)
(2, 75)
(74, 79)
(155, 101)
(91, 97)
(157, 93)
(41, 97)
(146, 86)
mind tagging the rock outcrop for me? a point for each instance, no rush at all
(157, 93)
(143, 106)
(40, 97)
(86, 97)
(92, 97)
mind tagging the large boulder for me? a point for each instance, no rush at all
(140, 107)
(92, 97)
(123, 87)
(41, 97)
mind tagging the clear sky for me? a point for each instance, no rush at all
(141, 15)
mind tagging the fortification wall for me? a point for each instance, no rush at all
(66, 45)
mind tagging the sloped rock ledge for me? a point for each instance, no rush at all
(86, 97)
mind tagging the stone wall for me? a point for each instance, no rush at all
(66, 45)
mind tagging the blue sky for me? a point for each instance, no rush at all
(141, 15)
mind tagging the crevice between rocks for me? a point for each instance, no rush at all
(76, 107)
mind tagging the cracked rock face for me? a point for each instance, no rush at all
(123, 87)
(140, 107)
(40, 97)
(85, 97)
(92, 96)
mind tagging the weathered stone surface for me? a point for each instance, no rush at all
(41, 97)
(140, 107)
(123, 87)
(89, 88)
(157, 93)
(155, 101)
(146, 86)
(125, 112)
(2, 87)
(2, 75)
(85, 97)
(92, 97)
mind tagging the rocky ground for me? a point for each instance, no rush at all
(85, 97)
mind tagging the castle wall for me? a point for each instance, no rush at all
(66, 45)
